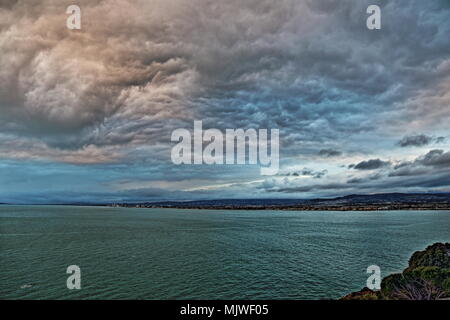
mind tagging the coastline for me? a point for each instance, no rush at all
(291, 209)
(397, 207)
(369, 202)
(354, 202)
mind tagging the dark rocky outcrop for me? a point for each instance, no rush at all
(427, 277)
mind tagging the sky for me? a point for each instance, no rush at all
(87, 115)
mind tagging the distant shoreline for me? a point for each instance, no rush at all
(371, 202)
(405, 207)
(343, 209)
(368, 202)
(300, 208)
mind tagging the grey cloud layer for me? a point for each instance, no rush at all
(426, 172)
(113, 91)
(370, 164)
(419, 140)
(236, 62)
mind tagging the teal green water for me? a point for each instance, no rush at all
(202, 254)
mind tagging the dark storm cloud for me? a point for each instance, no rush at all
(7, 4)
(233, 63)
(306, 172)
(416, 141)
(365, 179)
(330, 153)
(434, 162)
(419, 140)
(310, 188)
(436, 158)
(433, 180)
(371, 164)
(355, 180)
(408, 171)
(314, 174)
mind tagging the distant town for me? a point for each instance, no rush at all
(386, 201)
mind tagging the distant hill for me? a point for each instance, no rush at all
(385, 201)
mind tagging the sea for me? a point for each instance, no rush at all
(138, 253)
